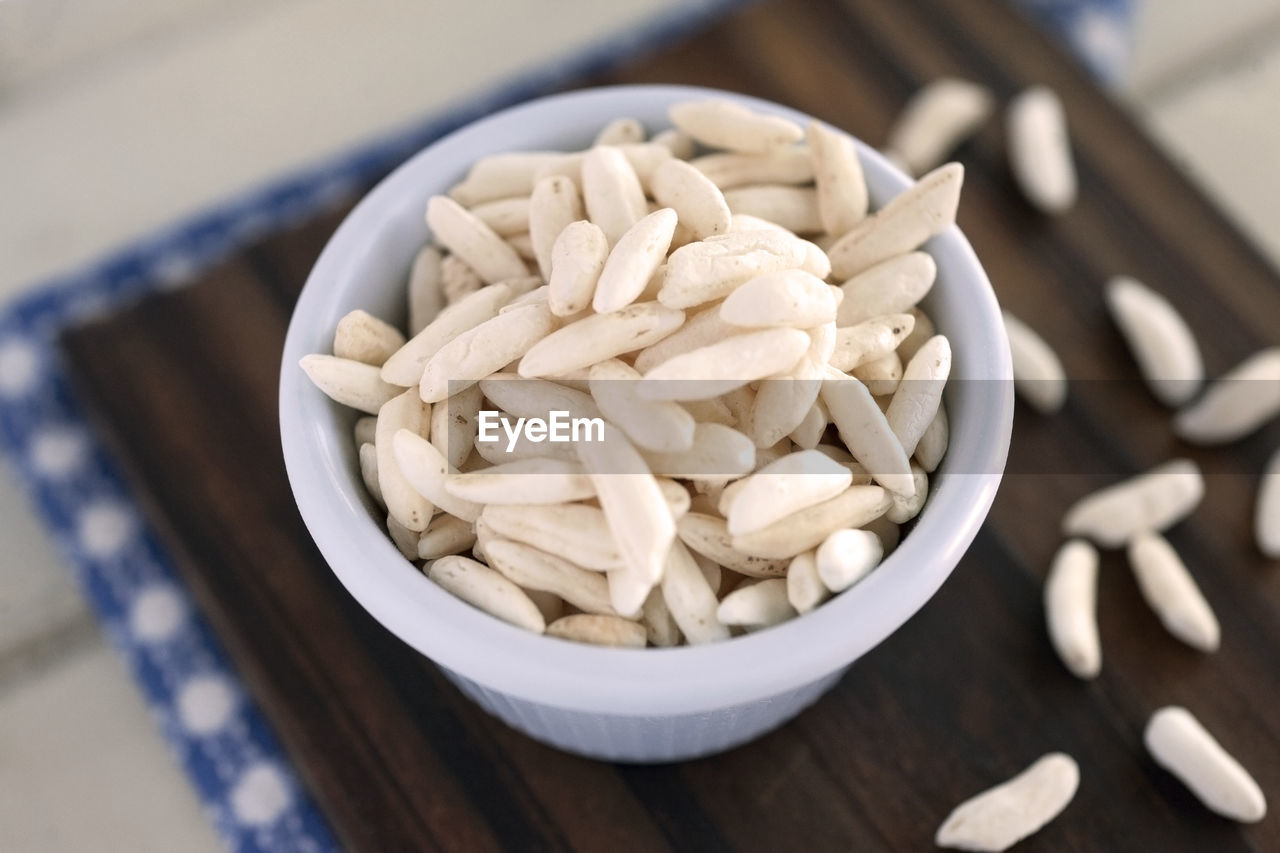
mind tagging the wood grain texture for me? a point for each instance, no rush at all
(966, 694)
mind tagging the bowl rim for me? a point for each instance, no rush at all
(651, 681)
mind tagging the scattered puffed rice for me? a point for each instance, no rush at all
(1038, 376)
(1172, 593)
(1159, 338)
(936, 120)
(1150, 502)
(1235, 404)
(1040, 150)
(1070, 606)
(1266, 517)
(1181, 745)
(1002, 816)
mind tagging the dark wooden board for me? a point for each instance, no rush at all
(964, 695)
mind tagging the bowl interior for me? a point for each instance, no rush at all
(365, 265)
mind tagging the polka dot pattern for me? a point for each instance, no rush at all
(157, 614)
(19, 367)
(206, 704)
(261, 795)
(104, 528)
(175, 268)
(58, 452)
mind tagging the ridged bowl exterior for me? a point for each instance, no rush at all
(646, 738)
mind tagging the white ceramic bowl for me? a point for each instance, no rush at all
(630, 705)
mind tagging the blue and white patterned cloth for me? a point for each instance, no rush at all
(231, 756)
(1099, 31)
